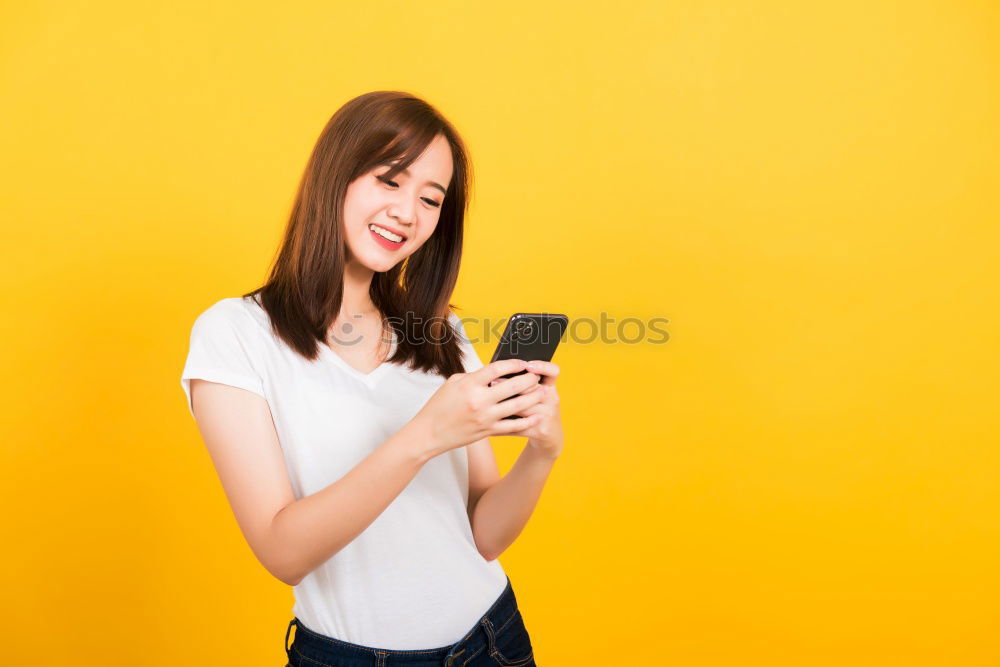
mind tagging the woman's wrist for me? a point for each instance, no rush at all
(549, 450)
(417, 438)
(410, 442)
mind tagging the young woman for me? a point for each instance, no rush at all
(348, 416)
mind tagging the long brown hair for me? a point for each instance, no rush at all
(303, 293)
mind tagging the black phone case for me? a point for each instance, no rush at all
(531, 337)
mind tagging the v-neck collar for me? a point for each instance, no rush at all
(329, 353)
(367, 378)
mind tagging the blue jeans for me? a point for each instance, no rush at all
(498, 638)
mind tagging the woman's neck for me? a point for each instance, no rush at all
(356, 298)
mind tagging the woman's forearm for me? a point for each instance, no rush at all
(309, 531)
(503, 510)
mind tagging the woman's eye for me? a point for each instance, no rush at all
(394, 184)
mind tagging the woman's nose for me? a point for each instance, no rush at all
(403, 211)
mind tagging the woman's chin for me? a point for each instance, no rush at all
(371, 262)
(379, 265)
(377, 259)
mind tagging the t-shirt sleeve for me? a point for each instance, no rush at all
(470, 359)
(222, 350)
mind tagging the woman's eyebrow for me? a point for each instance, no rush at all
(407, 172)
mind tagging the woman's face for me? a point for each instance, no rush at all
(407, 206)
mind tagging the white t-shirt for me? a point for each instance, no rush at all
(413, 579)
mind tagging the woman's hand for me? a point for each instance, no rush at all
(545, 435)
(466, 408)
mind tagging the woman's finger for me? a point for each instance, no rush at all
(548, 370)
(516, 405)
(494, 370)
(502, 388)
(514, 426)
(543, 409)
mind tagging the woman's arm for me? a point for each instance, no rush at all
(311, 530)
(502, 511)
(499, 510)
(292, 537)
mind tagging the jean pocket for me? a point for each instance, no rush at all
(510, 644)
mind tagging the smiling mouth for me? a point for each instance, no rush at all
(386, 234)
(381, 237)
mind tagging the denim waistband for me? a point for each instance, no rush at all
(480, 637)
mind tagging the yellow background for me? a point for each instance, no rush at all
(805, 474)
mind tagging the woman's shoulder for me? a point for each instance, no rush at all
(457, 320)
(459, 323)
(239, 314)
(252, 308)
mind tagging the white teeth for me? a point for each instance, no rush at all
(385, 233)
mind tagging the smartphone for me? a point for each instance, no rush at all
(531, 337)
